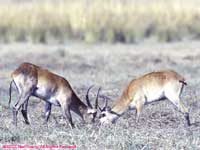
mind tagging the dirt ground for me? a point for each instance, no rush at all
(161, 125)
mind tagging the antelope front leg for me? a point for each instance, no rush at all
(139, 104)
(67, 115)
(47, 112)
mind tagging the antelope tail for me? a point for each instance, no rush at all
(183, 82)
(10, 91)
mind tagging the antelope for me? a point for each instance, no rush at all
(32, 80)
(148, 88)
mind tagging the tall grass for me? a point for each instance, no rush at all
(99, 20)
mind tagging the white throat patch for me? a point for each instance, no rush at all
(91, 111)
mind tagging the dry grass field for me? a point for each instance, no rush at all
(127, 21)
(161, 126)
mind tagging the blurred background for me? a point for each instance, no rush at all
(91, 21)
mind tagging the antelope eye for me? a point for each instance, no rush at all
(102, 115)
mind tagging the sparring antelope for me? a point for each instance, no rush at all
(149, 88)
(32, 80)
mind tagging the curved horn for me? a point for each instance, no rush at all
(87, 97)
(100, 108)
(106, 103)
(96, 101)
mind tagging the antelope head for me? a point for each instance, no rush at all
(91, 111)
(107, 116)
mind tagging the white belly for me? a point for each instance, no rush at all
(54, 101)
(154, 95)
(147, 96)
(46, 95)
(42, 93)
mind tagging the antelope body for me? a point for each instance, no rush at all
(151, 87)
(32, 80)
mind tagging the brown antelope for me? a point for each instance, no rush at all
(32, 80)
(144, 90)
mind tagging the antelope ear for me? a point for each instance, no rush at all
(91, 111)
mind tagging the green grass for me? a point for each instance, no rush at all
(100, 21)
